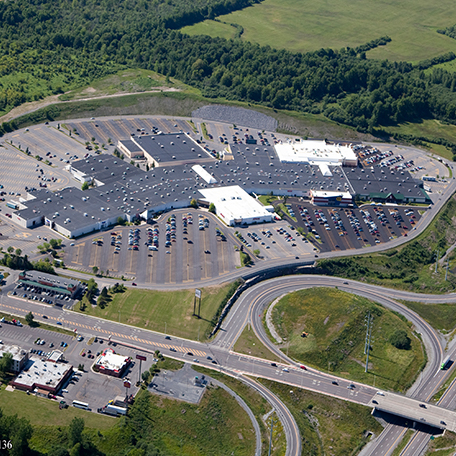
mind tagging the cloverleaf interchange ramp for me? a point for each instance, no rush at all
(248, 309)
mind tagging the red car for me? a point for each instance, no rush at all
(303, 367)
(134, 284)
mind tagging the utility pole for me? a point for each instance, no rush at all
(367, 332)
(270, 438)
(437, 260)
(368, 340)
(448, 265)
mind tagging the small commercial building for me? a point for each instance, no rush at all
(324, 198)
(67, 287)
(110, 363)
(236, 207)
(20, 356)
(43, 375)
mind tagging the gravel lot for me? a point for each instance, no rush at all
(238, 116)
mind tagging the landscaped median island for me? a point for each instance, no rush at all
(163, 311)
(326, 329)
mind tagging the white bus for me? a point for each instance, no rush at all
(81, 405)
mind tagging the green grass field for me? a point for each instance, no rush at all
(123, 82)
(39, 410)
(440, 316)
(303, 25)
(249, 344)
(150, 309)
(335, 323)
(216, 426)
(429, 128)
(327, 425)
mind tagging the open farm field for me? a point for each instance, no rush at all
(149, 309)
(303, 25)
(335, 325)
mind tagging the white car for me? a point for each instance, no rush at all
(285, 369)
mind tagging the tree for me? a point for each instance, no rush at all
(54, 243)
(104, 292)
(6, 362)
(75, 431)
(194, 203)
(95, 269)
(400, 340)
(212, 208)
(85, 186)
(18, 252)
(29, 319)
(10, 249)
(146, 376)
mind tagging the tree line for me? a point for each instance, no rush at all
(57, 45)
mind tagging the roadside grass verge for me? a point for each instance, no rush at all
(150, 309)
(438, 395)
(327, 425)
(410, 266)
(443, 446)
(249, 344)
(440, 316)
(335, 323)
(257, 404)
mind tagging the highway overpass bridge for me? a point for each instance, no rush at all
(412, 409)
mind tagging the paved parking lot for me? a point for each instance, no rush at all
(191, 254)
(88, 386)
(347, 228)
(179, 384)
(41, 295)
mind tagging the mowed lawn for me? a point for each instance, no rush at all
(305, 25)
(335, 323)
(150, 309)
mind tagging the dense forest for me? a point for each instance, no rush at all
(48, 47)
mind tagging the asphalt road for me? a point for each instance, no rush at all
(249, 308)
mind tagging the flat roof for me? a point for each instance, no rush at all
(49, 279)
(235, 203)
(17, 352)
(171, 147)
(42, 373)
(110, 360)
(315, 152)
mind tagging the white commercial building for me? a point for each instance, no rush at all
(235, 206)
(316, 153)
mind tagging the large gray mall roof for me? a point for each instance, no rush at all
(169, 147)
(126, 189)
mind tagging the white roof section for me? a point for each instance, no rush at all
(324, 169)
(111, 361)
(204, 174)
(17, 352)
(325, 194)
(43, 373)
(316, 152)
(234, 203)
